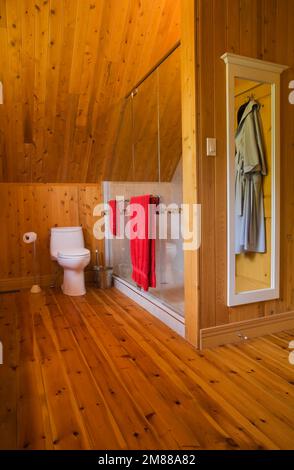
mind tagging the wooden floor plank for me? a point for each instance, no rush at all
(98, 420)
(165, 368)
(99, 372)
(222, 385)
(66, 424)
(280, 366)
(273, 412)
(134, 425)
(266, 377)
(172, 363)
(147, 373)
(33, 424)
(156, 411)
(8, 372)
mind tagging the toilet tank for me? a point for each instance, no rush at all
(65, 238)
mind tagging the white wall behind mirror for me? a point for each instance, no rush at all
(253, 179)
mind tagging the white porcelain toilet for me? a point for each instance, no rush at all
(67, 247)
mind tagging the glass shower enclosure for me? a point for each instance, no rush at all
(147, 160)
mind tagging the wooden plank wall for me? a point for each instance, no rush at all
(262, 29)
(66, 67)
(38, 207)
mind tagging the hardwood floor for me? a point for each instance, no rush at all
(100, 372)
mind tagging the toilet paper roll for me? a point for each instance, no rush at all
(29, 237)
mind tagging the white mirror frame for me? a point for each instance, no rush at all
(264, 72)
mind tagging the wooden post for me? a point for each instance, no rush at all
(190, 174)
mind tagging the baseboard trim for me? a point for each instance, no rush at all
(13, 283)
(236, 332)
(18, 283)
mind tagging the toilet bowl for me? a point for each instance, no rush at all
(73, 263)
(67, 248)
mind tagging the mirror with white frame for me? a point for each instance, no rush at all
(253, 179)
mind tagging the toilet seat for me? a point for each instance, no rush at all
(73, 253)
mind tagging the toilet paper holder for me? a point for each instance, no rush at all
(31, 237)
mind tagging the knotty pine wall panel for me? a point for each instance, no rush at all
(263, 29)
(66, 67)
(38, 207)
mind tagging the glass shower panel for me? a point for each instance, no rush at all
(170, 273)
(170, 115)
(145, 130)
(169, 252)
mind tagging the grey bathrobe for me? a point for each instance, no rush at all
(250, 167)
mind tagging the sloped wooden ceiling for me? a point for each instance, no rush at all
(66, 66)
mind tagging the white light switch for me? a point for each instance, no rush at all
(211, 147)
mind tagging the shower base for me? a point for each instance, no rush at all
(158, 309)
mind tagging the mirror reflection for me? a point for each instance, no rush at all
(253, 157)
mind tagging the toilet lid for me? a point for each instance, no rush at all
(73, 252)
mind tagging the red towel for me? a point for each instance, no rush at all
(142, 246)
(112, 205)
